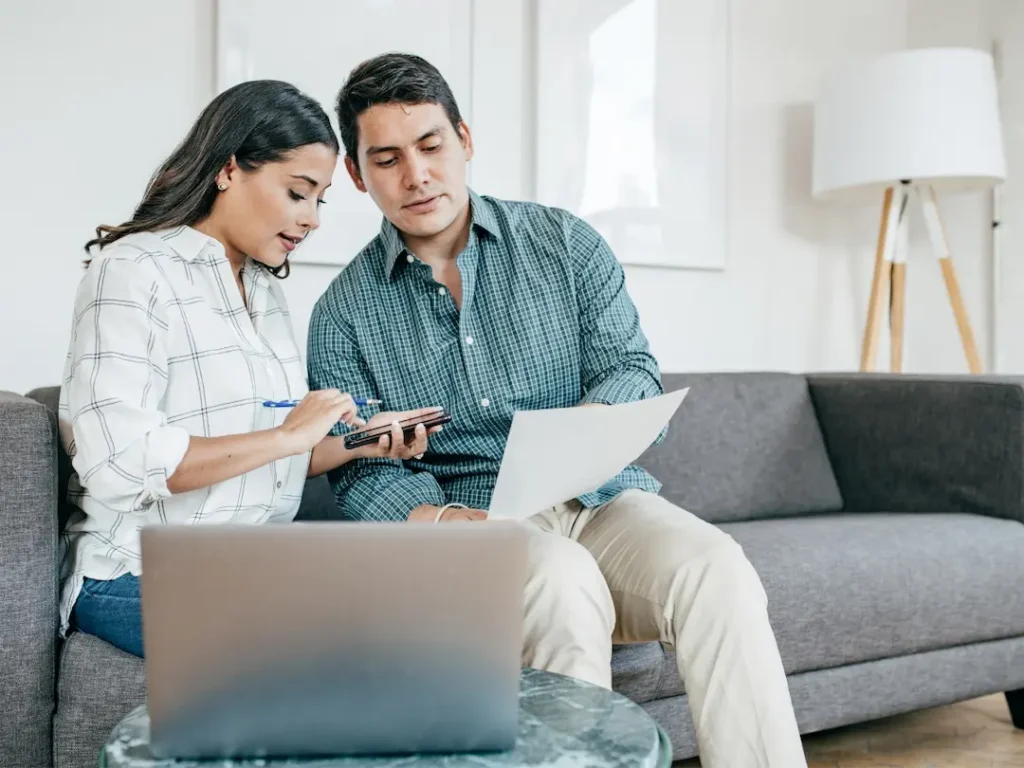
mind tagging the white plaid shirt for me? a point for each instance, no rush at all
(162, 348)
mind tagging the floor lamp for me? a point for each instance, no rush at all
(906, 127)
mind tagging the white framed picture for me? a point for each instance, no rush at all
(631, 123)
(314, 44)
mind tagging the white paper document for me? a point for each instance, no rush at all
(555, 455)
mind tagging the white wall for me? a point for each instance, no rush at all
(993, 286)
(95, 95)
(793, 296)
(1006, 19)
(796, 280)
(930, 321)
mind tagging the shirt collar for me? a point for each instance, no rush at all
(189, 243)
(481, 217)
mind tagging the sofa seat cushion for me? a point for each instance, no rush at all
(847, 588)
(98, 686)
(744, 446)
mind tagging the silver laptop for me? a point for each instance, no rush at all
(332, 638)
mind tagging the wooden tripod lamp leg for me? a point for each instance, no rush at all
(879, 284)
(940, 244)
(897, 310)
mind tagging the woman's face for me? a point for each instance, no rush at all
(266, 213)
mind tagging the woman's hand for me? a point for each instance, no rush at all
(393, 445)
(314, 417)
(210, 460)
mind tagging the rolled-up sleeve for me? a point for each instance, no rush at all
(123, 448)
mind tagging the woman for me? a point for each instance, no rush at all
(180, 341)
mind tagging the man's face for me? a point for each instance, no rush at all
(412, 162)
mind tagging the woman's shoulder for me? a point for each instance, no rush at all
(133, 264)
(138, 247)
(147, 256)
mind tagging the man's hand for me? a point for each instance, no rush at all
(393, 445)
(426, 513)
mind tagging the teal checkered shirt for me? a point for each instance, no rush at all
(545, 323)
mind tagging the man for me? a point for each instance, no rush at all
(488, 307)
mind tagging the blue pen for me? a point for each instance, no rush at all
(360, 401)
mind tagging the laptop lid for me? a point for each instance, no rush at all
(332, 638)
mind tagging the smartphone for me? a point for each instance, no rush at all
(370, 436)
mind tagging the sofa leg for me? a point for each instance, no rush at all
(1015, 701)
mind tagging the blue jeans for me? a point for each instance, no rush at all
(112, 611)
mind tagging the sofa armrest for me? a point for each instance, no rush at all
(924, 443)
(28, 580)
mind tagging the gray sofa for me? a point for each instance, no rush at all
(884, 515)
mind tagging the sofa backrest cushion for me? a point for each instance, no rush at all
(28, 580)
(50, 397)
(744, 446)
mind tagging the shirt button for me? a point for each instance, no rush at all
(279, 483)
(441, 291)
(469, 340)
(409, 258)
(485, 402)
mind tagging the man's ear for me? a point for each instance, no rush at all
(353, 172)
(467, 140)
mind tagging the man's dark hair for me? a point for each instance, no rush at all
(391, 78)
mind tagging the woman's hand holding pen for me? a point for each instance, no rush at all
(308, 427)
(315, 416)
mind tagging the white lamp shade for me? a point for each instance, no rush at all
(930, 116)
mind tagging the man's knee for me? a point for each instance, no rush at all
(731, 574)
(569, 615)
(565, 578)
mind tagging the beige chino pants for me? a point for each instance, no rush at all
(641, 569)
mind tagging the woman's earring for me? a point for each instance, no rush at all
(222, 187)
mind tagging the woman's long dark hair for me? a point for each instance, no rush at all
(257, 122)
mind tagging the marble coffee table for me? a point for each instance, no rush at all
(562, 722)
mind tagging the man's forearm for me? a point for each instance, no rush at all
(330, 453)
(382, 490)
(626, 383)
